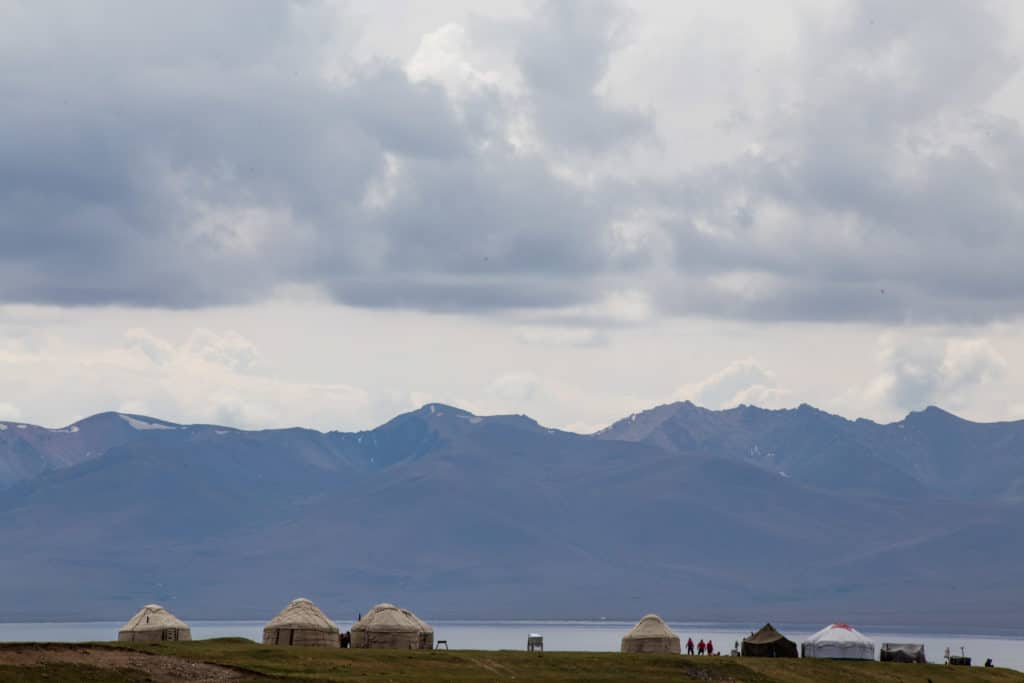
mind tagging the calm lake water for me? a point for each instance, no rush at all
(1004, 650)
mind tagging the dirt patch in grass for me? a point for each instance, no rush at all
(156, 668)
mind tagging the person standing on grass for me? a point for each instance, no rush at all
(700, 647)
(689, 646)
(711, 648)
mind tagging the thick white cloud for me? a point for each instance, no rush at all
(920, 371)
(741, 382)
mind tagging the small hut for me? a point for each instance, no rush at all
(768, 643)
(301, 623)
(153, 623)
(387, 626)
(651, 634)
(907, 653)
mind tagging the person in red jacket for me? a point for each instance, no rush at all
(689, 646)
(700, 647)
(711, 648)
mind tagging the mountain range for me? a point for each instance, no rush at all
(743, 514)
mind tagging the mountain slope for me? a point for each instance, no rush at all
(459, 515)
(928, 452)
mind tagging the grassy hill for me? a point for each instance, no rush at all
(242, 660)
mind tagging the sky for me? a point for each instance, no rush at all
(272, 213)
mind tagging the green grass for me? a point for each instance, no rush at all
(266, 663)
(463, 666)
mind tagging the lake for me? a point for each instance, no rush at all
(1005, 650)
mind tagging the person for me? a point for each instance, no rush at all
(700, 647)
(711, 648)
(689, 646)
(988, 663)
(946, 654)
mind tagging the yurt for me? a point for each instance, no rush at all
(768, 643)
(387, 626)
(838, 641)
(153, 623)
(426, 631)
(301, 623)
(651, 634)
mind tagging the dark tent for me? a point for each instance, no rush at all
(908, 653)
(768, 643)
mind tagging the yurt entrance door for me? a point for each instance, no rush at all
(171, 634)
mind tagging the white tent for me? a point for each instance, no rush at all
(387, 626)
(301, 623)
(651, 634)
(838, 641)
(153, 623)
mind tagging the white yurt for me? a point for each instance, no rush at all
(153, 623)
(387, 626)
(838, 641)
(301, 623)
(651, 634)
(426, 631)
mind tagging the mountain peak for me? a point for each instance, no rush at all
(931, 412)
(441, 409)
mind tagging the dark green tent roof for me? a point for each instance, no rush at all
(765, 636)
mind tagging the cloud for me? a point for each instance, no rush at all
(9, 411)
(516, 387)
(920, 371)
(741, 382)
(210, 376)
(836, 164)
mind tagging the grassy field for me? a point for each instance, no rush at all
(252, 662)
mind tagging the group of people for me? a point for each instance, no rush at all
(703, 648)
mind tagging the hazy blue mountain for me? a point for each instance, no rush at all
(928, 452)
(457, 515)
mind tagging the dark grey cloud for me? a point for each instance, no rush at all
(563, 56)
(160, 159)
(186, 156)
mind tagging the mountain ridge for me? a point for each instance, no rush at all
(796, 513)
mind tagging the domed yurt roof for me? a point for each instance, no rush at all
(387, 617)
(153, 622)
(153, 618)
(423, 626)
(302, 614)
(651, 634)
(388, 626)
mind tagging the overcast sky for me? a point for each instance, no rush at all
(311, 213)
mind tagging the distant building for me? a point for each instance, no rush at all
(768, 643)
(838, 641)
(651, 634)
(301, 623)
(153, 623)
(387, 626)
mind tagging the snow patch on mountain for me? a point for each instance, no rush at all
(67, 430)
(136, 423)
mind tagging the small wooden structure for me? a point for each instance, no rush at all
(535, 642)
(907, 653)
(962, 660)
